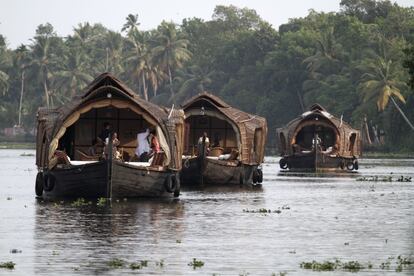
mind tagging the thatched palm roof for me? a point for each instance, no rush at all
(246, 123)
(318, 115)
(105, 90)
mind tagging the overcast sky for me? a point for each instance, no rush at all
(19, 18)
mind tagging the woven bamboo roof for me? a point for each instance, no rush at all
(318, 115)
(245, 122)
(105, 90)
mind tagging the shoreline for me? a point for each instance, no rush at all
(17, 145)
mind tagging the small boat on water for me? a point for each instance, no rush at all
(64, 135)
(318, 141)
(222, 144)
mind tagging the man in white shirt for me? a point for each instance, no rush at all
(143, 147)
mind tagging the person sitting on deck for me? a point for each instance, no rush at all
(203, 140)
(143, 148)
(115, 143)
(154, 143)
(93, 150)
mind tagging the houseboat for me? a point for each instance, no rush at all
(65, 135)
(318, 141)
(222, 145)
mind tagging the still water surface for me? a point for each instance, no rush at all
(321, 218)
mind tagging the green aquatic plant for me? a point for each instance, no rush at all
(80, 202)
(101, 202)
(403, 178)
(135, 266)
(7, 265)
(352, 266)
(160, 263)
(116, 263)
(27, 154)
(388, 178)
(196, 263)
(405, 260)
(144, 263)
(178, 241)
(323, 266)
(262, 211)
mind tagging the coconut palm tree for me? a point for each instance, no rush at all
(4, 82)
(192, 81)
(21, 60)
(113, 44)
(73, 73)
(137, 60)
(131, 25)
(381, 82)
(326, 56)
(170, 51)
(40, 60)
(4, 77)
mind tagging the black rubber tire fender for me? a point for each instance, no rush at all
(259, 176)
(39, 184)
(356, 165)
(177, 187)
(350, 165)
(283, 163)
(49, 182)
(171, 183)
(255, 176)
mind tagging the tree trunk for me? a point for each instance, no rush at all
(171, 87)
(144, 86)
(300, 100)
(367, 131)
(21, 98)
(46, 93)
(402, 113)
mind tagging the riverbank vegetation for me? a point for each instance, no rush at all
(358, 63)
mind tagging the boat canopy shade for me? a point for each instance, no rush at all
(226, 127)
(74, 126)
(317, 123)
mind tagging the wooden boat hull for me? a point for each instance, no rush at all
(197, 171)
(105, 179)
(318, 162)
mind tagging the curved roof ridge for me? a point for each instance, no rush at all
(107, 79)
(216, 100)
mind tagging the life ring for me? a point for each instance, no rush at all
(39, 184)
(356, 165)
(350, 165)
(171, 183)
(283, 163)
(49, 182)
(259, 176)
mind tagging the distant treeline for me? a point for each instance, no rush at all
(355, 62)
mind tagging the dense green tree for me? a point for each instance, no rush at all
(350, 61)
(170, 50)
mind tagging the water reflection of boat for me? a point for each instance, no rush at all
(234, 150)
(66, 133)
(318, 141)
(88, 237)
